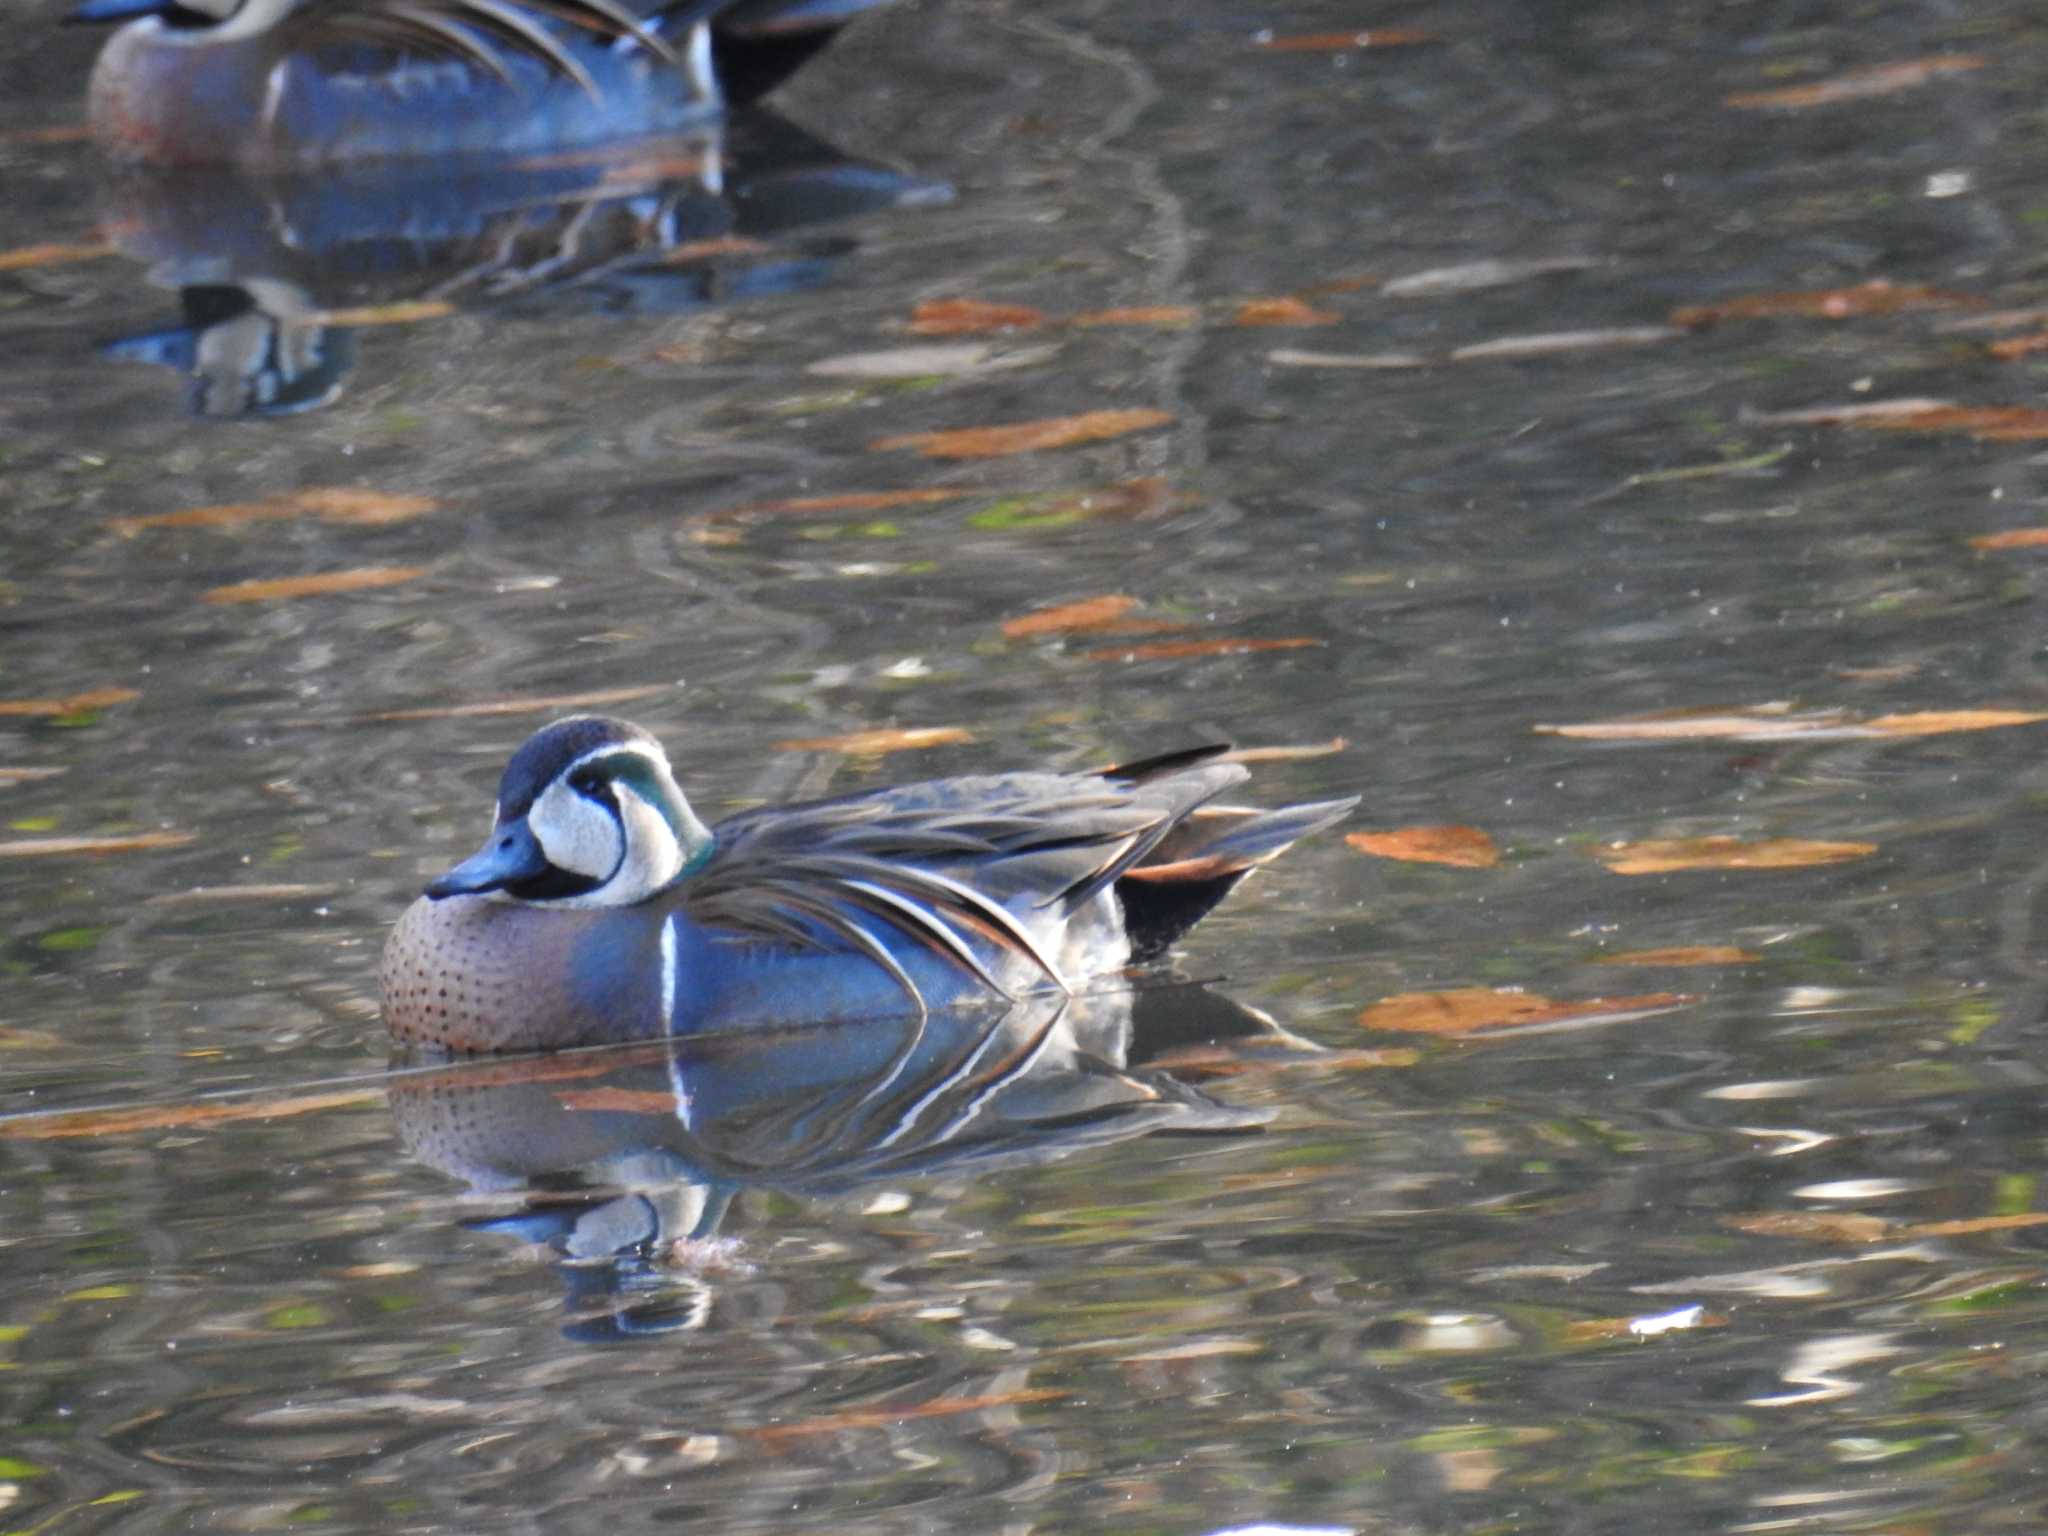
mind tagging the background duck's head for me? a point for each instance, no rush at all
(588, 815)
(181, 13)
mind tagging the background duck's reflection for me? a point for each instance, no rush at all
(275, 273)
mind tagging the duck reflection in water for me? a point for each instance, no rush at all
(275, 272)
(625, 1160)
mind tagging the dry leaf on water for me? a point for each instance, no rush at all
(50, 254)
(1853, 1227)
(139, 842)
(2012, 538)
(1463, 847)
(1179, 650)
(167, 1117)
(1986, 423)
(1860, 413)
(1877, 297)
(330, 503)
(280, 588)
(410, 312)
(1024, 436)
(1825, 1226)
(1693, 954)
(1663, 855)
(1282, 311)
(877, 743)
(1083, 614)
(1857, 84)
(68, 704)
(1820, 725)
(1468, 1010)
(2019, 346)
(1340, 42)
(970, 317)
(1295, 753)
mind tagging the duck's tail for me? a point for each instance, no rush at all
(1202, 859)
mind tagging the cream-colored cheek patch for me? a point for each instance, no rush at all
(575, 834)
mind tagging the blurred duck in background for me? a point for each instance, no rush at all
(296, 83)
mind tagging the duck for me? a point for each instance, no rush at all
(298, 84)
(601, 909)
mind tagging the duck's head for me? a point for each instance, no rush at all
(588, 815)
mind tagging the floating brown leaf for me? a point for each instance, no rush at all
(50, 254)
(876, 743)
(1468, 1010)
(1283, 311)
(1861, 413)
(1762, 726)
(1286, 754)
(1987, 423)
(68, 704)
(1880, 80)
(2019, 346)
(1160, 316)
(1939, 722)
(1177, 650)
(170, 1117)
(1339, 42)
(58, 133)
(1876, 297)
(968, 317)
(1657, 856)
(707, 250)
(139, 842)
(617, 1101)
(2012, 538)
(1970, 1225)
(885, 1418)
(28, 775)
(330, 503)
(1082, 614)
(281, 588)
(1822, 1226)
(409, 312)
(1693, 954)
(1024, 436)
(524, 704)
(1463, 847)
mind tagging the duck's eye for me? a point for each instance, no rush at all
(591, 785)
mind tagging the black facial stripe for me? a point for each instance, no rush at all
(553, 885)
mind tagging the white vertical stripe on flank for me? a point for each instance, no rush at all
(668, 974)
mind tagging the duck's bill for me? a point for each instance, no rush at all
(512, 855)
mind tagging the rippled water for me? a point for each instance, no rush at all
(1763, 1258)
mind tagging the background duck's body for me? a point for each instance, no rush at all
(601, 909)
(300, 82)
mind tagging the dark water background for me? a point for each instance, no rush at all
(1401, 1307)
